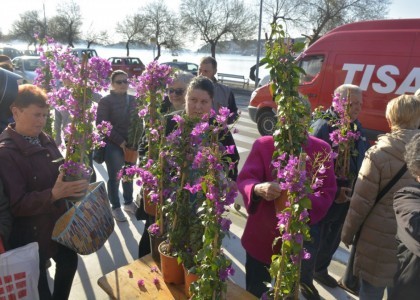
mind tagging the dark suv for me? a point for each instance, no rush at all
(183, 65)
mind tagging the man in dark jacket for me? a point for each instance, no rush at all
(223, 95)
(407, 212)
(330, 226)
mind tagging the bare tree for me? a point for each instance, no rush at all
(29, 24)
(66, 25)
(289, 12)
(216, 20)
(93, 36)
(131, 29)
(162, 26)
(320, 16)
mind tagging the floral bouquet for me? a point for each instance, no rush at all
(72, 85)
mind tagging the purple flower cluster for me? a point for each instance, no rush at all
(153, 80)
(75, 169)
(226, 272)
(154, 229)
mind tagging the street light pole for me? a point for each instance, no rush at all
(258, 47)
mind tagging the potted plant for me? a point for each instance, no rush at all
(82, 79)
(150, 87)
(289, 162)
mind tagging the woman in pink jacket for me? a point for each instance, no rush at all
(258, 188)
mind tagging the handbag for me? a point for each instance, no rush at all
(99, 155)
(87, 225)
(349, 281)
(19, 273)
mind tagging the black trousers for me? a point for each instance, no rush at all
(256, 274)
(66, 267)
(331, 227)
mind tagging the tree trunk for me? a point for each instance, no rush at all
(213, 49)
(127, 46)
(158, 51)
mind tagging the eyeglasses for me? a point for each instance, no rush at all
(178, 92)
(121, 81)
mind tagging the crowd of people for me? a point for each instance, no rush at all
(387, 257)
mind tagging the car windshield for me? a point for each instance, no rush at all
(31, 64)
(312, 66)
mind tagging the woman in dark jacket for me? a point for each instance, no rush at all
(29, 162)
(115, 108)
(407, 212)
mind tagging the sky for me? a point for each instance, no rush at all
(104, 14)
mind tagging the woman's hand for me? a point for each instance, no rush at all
(267, 190)
(344, 195)
(63, 189)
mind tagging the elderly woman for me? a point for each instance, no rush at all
(376, 251)
(176, 91)
(115, 109)
(29, 171)
(407, 212)
(258, 187)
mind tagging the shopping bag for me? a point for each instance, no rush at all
(19, 273)
(87, 225)
(349, 281)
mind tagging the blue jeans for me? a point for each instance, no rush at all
(114, 160)
(370, 292)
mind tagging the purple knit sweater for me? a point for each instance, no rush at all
(260, 229)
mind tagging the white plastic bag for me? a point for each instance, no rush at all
(19, 273)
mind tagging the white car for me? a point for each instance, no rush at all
(25, 66)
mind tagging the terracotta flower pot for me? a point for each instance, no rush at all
(280, 202)
(172, 272)
(131, 155)
(188, 279)
(149, 207)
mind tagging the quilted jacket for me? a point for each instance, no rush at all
(376, 251)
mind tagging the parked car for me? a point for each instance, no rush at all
(382, 57)
(79, 52)
(9, 51)
(183, 65)
(25, 66)
(133, 66)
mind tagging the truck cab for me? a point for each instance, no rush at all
(381, 57)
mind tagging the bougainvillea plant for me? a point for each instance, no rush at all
(343, 137)
(72, 84)
(290, 162)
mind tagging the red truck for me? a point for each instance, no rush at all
(382, 57)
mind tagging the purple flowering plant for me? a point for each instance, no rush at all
(343, 137)
(72, 84)
(297, 174)
(149, 87)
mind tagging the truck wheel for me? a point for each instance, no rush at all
(266, 123)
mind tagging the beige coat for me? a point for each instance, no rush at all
(376, 252)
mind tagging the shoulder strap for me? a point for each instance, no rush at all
(391, 183)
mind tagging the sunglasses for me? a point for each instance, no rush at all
(121, 81)
(178, 92)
